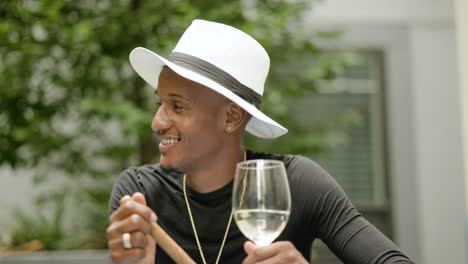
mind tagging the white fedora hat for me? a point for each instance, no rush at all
(221, 58)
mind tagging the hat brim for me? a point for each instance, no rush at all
(149, 65)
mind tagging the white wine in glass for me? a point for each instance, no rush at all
(261, 200)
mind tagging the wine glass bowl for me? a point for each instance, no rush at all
(261, 199)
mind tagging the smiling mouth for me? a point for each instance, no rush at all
(169, 141)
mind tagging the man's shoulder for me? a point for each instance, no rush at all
(303, 171)
(148, 179)
(292, 162)
(135, 171)
(147, 172)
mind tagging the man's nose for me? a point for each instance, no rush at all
(161, 119)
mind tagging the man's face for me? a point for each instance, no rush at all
(190, 122)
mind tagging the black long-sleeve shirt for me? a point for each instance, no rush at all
(319, 210)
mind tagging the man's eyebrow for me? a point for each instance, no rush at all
(178, 96)
(175, 96)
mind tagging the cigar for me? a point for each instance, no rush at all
(177, 254)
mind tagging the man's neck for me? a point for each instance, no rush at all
(217, 173)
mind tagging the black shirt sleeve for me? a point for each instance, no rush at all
(127, 183)
(335, 220)
(134, 179)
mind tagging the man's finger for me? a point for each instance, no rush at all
(132, 207)
(249, 247)
(130, 224)
(256, 254)
(139, 198)
(266, 252)
(137, 240)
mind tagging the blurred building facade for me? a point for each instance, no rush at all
(422, 116)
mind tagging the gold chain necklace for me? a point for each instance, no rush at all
(195, 229)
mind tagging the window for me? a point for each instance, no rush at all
(356, 159)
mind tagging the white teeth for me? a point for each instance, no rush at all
(169, 141)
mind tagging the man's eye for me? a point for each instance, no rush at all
(178, 107)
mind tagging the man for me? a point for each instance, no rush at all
(209, 91)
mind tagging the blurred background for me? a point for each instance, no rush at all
(370, 89)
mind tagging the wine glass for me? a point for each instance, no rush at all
(261, 200)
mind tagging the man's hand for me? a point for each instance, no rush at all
(135, 218)
(278, 252)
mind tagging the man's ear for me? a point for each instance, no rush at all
(235, 117)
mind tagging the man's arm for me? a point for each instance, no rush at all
(340, 226)
(132, 218)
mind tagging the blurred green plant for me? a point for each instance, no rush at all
(71, 103)
(37, 226)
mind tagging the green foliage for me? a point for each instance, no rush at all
(95, 224)
(70, 102)
(37, 226)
